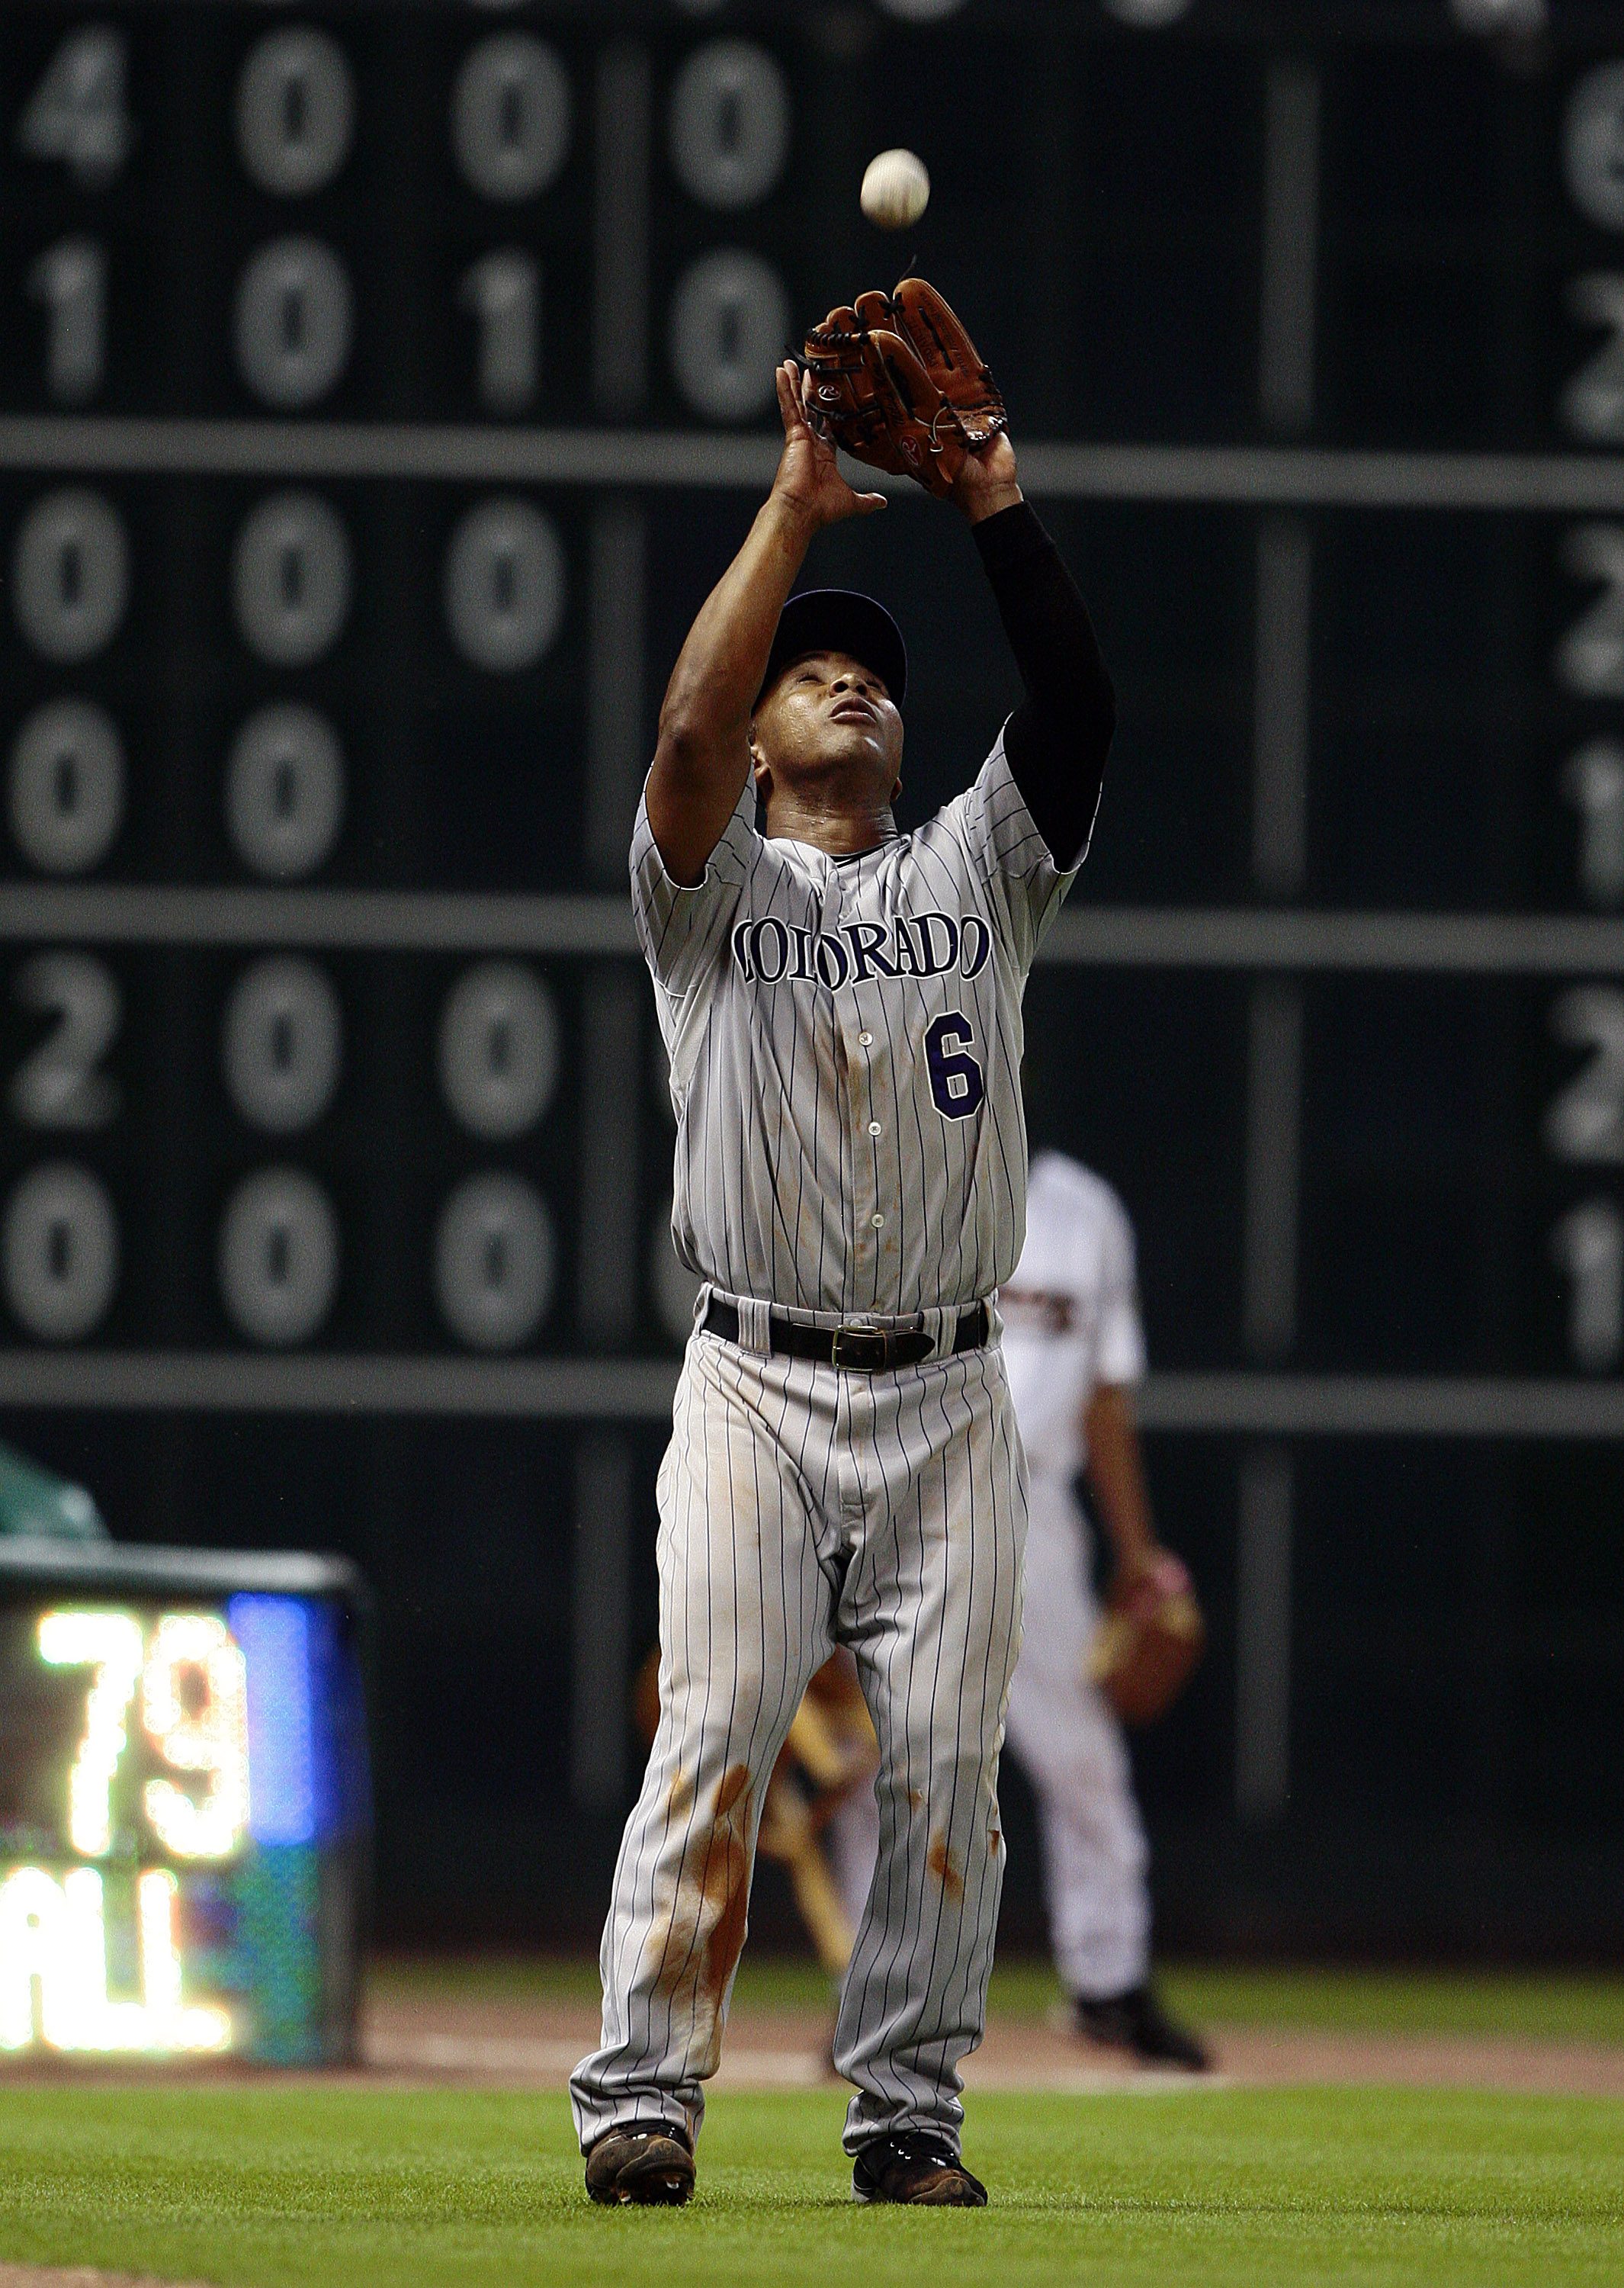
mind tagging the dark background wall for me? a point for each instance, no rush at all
(1305, 319)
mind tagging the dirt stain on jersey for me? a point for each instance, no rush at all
(699, 1926)
(939, 1859)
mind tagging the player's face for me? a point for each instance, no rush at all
(828, 715)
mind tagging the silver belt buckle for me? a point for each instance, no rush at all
(861, 1348)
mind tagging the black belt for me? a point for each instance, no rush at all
(865, 1350)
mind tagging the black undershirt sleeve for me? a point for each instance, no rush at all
(1058, 739)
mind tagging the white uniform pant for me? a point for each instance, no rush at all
(1069, 1742)
(801, 1507)
(1066, 1738)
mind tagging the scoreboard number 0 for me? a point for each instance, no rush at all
(59, 1248)
(283, 1045)
(494, 1261)
(504, 586)
(285, 792)
(295, 322)
(729, 124)
(72, 575)
(296, 112)
(290, 579)
(279, 1256)
(499, 1050)
(510, 116)
(66, 786)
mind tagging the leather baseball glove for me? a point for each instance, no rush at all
(1149, 1641)
(897, 382)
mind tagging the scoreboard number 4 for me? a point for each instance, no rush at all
(76, 114)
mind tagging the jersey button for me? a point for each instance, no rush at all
(874, 1128)
(879, 1220)
(864, 1040)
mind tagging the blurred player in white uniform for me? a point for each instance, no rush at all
(1073, 1348)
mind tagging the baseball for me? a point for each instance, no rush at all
(895, 189)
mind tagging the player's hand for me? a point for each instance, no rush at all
(809, 480)
(1147, 1577)
(987, 481)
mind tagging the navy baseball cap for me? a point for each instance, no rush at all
(839, 619)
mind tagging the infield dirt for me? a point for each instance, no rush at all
(529, 2039)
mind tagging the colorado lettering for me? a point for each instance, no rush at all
(772, 952)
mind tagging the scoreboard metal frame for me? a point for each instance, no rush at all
(206, 542)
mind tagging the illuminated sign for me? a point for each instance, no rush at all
(184, 1819)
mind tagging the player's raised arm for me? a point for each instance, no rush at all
(1057, 741)
(900, 383)
(703, 754)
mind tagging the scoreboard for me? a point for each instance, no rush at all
(382, 389)
(184, 1807)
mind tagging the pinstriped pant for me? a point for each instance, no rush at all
(1069, 1742)
(801, 1507)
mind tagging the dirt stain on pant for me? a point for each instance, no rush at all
(939, 1860)
(700, 1922)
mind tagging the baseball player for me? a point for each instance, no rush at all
(1073, 1350)
(840, 1004)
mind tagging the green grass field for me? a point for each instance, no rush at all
(277, 2185)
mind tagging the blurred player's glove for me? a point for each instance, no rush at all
(1149, 1641)
(896, 381)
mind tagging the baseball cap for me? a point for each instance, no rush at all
(839, 619)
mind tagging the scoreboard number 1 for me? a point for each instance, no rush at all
(70, 278)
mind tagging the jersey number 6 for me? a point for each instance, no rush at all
(956, 1078)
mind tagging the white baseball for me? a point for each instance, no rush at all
(895, 189)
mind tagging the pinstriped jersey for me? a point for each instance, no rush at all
(844, 1036)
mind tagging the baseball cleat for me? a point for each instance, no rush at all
(1136, 2022)
(652, 2166)
(917, 2167)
